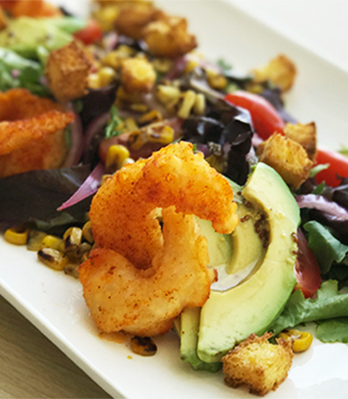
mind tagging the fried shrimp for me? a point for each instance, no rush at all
(32, 132)
(140, 276)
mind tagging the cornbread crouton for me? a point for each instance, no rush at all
(168, 37)
(287, 157)
(306, 135)
(280, 71)
(137, 75)
(257, 363)
(67, 72)
(134, 16)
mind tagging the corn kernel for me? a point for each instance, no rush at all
(162, 65)
(167, 94)
(199, 105)
(191, 65)
(301, 340)
(106, 76)
(72, 241)
(87, 232)
(187, 104)
(150, 117)
(163, 134)
(52, 258)
(53, 242)
(216, 80)
(115, 156)
(93, 81)
(17, 235)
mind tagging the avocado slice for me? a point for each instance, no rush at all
(230, 316)
(234, 257)
(24, 35)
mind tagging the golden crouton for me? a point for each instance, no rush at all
(133, 17)
(257, 363)
(137, 75)
(306, 135)
(280, 71)
(287, 157)
(67, 72)
(168, 37)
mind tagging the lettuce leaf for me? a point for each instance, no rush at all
(335, 330)
(35, 196)
(327, 249)
(329, 304)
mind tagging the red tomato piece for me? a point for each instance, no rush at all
(265, 117)
(338, 166)
(306, 270)
(91, 33)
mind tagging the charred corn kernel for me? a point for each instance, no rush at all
(301, 340)
(150, 117)
(35, 240)
(139, 107)
(106, 76)
(52, 258)
(129, 124)
(189, 98)
(93, 81)
(199, 105)
(87, 232)
(143, 346)
(72, 240)
(71, 269)
(216, 80)
(167, 94)
(137, 139)
(53, 242)
(17, 235)
(162, 134)
(115, 156)
(162, 65)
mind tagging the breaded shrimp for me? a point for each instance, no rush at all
(140, 278)
(32, 132)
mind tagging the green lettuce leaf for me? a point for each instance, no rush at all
(328, 305)
(327, 249)
(335, 330)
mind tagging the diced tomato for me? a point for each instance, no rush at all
(91, 33)
(338, 167)
(265, 117)
(307, 271)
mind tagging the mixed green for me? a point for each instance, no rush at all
(237, 116)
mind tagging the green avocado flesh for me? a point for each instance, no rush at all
(255, 281)
(24, 35)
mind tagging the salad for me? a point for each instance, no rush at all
(223, 133)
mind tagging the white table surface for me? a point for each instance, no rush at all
(32, 367)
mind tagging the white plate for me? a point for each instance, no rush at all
(53, 301)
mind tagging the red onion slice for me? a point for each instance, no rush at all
(77, 146)
(89, 186)
(321, 204)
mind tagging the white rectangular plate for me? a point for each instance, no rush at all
(53, 302)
